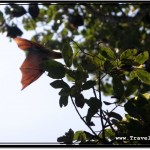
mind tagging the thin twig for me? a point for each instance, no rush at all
(94, 92)
(84, 120)
(85, 52)
(110, 124)
(114, 108)
(101, 111)
(103, 76)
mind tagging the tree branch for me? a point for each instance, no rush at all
(101, 111)
(84, 120)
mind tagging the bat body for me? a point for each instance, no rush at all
(37, 53)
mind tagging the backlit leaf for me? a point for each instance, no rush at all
(55, 69)
(65, 92)
(142, 57)
(79, 101)
(89, 84)
(115, 115)
(118, 87)
(143, 75)
(94, 103)
(131, 109)
(59, 84)
(1, 17)
(107, 52)
(107, 103)
(67, 54)
(63, 101)
(128, 54)
(90, 114)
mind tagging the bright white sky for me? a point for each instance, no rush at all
(31, 115)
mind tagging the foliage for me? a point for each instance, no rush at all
(105, 49)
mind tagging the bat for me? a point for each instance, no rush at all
(31, 69)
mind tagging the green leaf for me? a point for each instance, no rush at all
(67, 54)
(61, 139)
(89, 84)
(128, 54)
(115, 115)
(55, 69)
(135, 127)
(7, 10)
(65, 92)
(128, 57)
(133, 74)
(76, 136)
(29, 24)
(107, 103)
(33, 10)
(1, 17)
(131, 108)
(17, 11)
(107, 52)
(67, 138)
(90, 63)
(109, 133)
(146, 95)
(89, 136)
(128, 117)
(13, 31)
(142, 57)
(132, 86)
(108, 66)
(98, 61)
(141, 101)
(75, 90)
(71, 74)
(115, 122)
(63, 101)
(79, 101)
(118, 87)
(82, 136)
(64, 32)
(94, 103)
(80, 75)
(77, 75)
(91, 112)
(59, 84)
(107, 89)
(143, 75)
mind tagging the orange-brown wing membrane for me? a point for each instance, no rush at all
(32, 46)
(30, 68)
(26, 44)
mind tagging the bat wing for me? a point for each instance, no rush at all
(26, 44)
(30, 68)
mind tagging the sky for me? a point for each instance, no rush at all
(34, 114)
